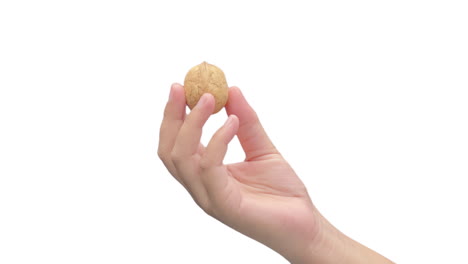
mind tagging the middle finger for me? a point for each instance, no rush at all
(188, 138)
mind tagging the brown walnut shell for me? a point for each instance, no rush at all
(206, 78)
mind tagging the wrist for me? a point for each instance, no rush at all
(332, 246)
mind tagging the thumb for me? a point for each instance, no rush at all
(251, 134)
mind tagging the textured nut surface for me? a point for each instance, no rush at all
(206, 78)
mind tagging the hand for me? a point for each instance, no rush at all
(261, 197)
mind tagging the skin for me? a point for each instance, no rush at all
(261, 197)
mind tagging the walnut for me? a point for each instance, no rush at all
(206, 78)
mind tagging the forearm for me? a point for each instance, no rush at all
(332, 246)
(358, 253)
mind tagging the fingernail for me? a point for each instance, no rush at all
(203, 99)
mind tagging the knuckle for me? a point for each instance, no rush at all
(218, 135)
(204, 164)
(176, 158)
(161, 155)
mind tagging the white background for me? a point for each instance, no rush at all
(366, 99)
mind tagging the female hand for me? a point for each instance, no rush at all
(261, 197)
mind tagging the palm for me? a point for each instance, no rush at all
(264, 192)
(270, 177)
